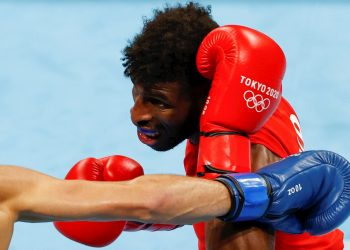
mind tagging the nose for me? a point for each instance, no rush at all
(141, 113)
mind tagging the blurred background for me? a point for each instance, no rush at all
(63, 95)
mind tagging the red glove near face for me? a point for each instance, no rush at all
(246, 68)
(112, 168)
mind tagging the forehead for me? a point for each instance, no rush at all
(173, 88)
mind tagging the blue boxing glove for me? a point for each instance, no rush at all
(306, 192)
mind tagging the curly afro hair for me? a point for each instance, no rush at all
(165, 50)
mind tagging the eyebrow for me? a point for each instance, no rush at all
(158, 93)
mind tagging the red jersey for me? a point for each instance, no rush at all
(282, 135)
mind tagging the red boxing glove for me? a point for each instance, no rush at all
(246, 68)
(112, 168)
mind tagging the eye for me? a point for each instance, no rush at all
(159, 103)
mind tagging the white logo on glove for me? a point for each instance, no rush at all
(256, 102)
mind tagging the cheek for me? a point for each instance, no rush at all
(177, 119)
(174, 117)
(170, 117)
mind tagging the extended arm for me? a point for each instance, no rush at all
(36, 197)
(30, 196)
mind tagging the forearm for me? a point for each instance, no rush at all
(153, 198)
(183, 200)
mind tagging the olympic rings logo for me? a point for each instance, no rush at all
(256, 102)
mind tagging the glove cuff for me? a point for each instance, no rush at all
(249, 196)
(223, 152)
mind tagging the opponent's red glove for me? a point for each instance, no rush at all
(247, 68)
(112, 168)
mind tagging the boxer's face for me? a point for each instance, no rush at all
(164, 114)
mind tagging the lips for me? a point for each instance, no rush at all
(147, 136)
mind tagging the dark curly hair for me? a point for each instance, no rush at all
(165, 50)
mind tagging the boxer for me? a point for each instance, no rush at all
(170, 95)
(285, 195)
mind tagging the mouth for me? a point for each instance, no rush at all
(147, 136)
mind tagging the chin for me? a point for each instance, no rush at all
(170, 144)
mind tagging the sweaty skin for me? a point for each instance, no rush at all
(31, 196)
(245, 235)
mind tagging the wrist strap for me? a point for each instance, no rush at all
(249, 196)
